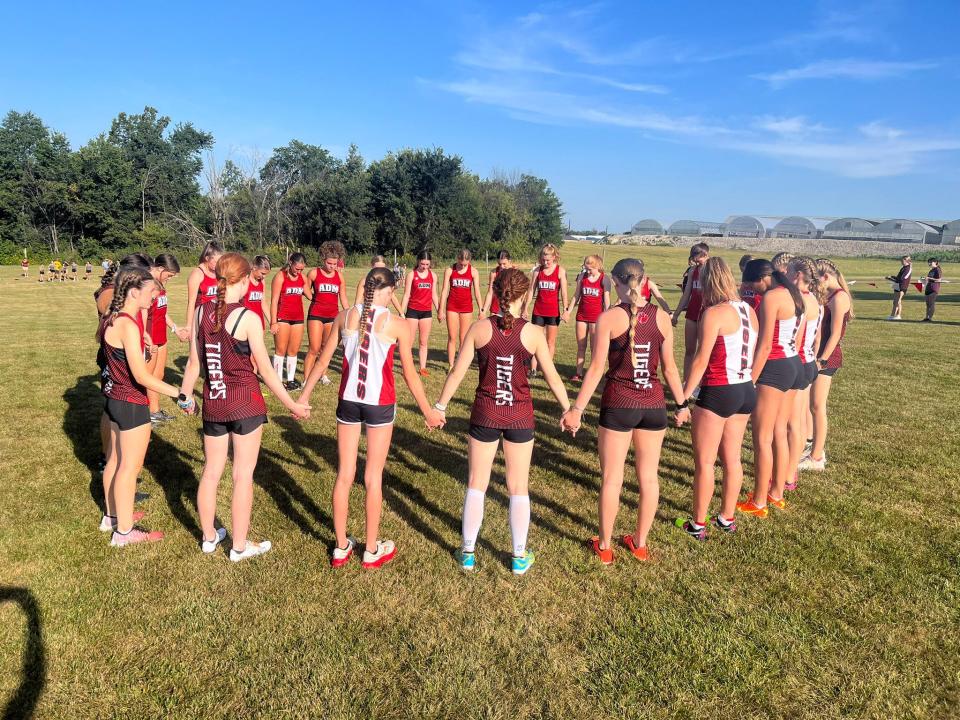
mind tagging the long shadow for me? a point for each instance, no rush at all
(177, 478)
(33, 673)
(292, 499)
(81, 423)
(911, 297)
(918, 321)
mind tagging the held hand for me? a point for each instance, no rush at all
(673, 320)
(182, 334)
(681, 416)
(300, 410)
(434, 418)
(441, 316)
(565, 316)
(274, 328)
(570, 421)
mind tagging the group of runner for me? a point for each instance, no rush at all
(762, 350)
(57, 270)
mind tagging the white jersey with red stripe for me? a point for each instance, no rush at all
(731, 360)
(785, 334)
(368, 369)
(808, 353)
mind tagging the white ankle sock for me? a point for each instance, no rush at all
(472, 518)
(291, 367)
(278, 365)
(519, 523)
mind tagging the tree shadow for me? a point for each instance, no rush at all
(81, 424)
(23, 702)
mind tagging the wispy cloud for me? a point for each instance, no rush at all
(789, 127)
(848, 69)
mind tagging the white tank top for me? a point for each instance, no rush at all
(368, 370)
(731, 360)
(807, 352)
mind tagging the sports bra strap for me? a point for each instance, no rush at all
(237, 323)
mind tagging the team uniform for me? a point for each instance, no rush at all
(326, 297)
(24, 267)
(591, 299)
(290, 307)
(126, 399)
(783, 369)
(232, 401)
(633, 397)
(502, 405)
(420, 305)
(87, 271)
(367, 393)
(695, 303)
(460, 297)
(495, 303)
(808, 353)
(546, 309)
(751, 297)
(253, 300)
(727, 388)
(157, 319)
(207, 290)
(835, 361)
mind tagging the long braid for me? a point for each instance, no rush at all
(630, 272)
(509, 285)
(827, 267)
(369, 286)
(221, 311)
(808, 267)
(126, 279)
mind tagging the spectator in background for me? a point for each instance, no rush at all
(901, 283)
(932, 290)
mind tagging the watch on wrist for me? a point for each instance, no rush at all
(441, 407)
(684, 405)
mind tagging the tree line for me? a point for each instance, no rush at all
(149, 184)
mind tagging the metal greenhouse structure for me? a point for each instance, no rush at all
(951, 233)
(907, 231)
(696, 228)
(647, 227)
(850, 228)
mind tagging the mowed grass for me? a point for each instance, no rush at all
(845, 605)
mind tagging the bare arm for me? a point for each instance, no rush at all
(251, 328)
(488, 301)
(658, 296)
(839, 306)
(577, 295)
(276, 287)
(344, 299)
(684, 300)
(192, 371)
(476, 290)
(528, 300)
(407, 290)
(564, 312)
(442, 307)
(308, 286)
(598, 363)
(767, 317)
(193, 287)
(411, 377)
(606, 293)
(130, 340)
(708, 331)
(265, 306)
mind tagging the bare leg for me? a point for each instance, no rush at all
(646, 448)
(764, 421)
(424, 327)
(730, 448)
(613, 446)
(133, 448)
(689, 345)
(314, 345)
(215, 460)
(348, 443)
(581, 346)
(821, 391)
(453, 332)
(246, 451)
(378, 445)
(113, 462)
(781, 445)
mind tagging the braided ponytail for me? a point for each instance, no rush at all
(630, 272)
(221, 310)
(231, 269)
(827, 267)
(808, 268)
(509, 285)
(126, 279)
(377, 279)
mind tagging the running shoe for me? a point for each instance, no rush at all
(134, 537)
(341, 556)
(791, 485)
(721, 523)
(424, 372)
(252, 550)
(324, 380)
(208, 546)
(109, 524)
(927, 320)
(640, 553)
(468, 560)
(140, 497)
(893, 317)
(750, 508)
(293, 385)
(167, 417)
(522, 564)
(780, 504)
(812, 463)
(156, 418)
(605, 556)
(807, 448)
(697, 533)
(386, 551)
(576, 378)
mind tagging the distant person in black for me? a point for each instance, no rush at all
(932, 290)
(901, 283)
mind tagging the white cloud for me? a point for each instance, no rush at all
(848, 69)
(879, 131)
(797, 126)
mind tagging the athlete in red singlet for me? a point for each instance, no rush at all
(328, 293)
(125, 382)
(591, 298)
(548, 297)
(165, 268)
(286, 309)
(691, 302)
(256, 297)
(370, 336)
(491, 305)
(420, 296)
(635, 340)
(461, 284)
(202, 281)
(502, 408)
(723, 370)
(227, 337)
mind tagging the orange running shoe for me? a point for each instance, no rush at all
(780, 504)
(640, 553)
(750, 508)
(606, 556)
(424, 372)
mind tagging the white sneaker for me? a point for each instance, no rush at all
(341, 556)
(893, 317)
(251, 550)
(386, 551)
(812, 463)
(208, 546)
(109, 524)
(324, 380)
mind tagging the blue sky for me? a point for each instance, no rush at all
(630, 109)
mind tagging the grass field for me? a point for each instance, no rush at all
(844, 606)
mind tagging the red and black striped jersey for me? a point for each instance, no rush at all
(503, 393)
(632, 380)
(118, 382)
(231, 390)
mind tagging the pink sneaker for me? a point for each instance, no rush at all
(135, 536)
(109, 524)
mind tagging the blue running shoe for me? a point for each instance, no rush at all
(522, 564)
(468, 560)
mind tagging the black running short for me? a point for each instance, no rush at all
(412, 314)
(126, 415)
(324, 320)
(290, 322)
(810, 374)
(354, 413)
(829, 372)
(244, 426)
(542, 320)
(628, 419)
(513, 435)
(727, 400)
(782, 373)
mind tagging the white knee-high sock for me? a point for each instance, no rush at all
(519, 523)
(291, 367)
(472, 518)
(278, 365)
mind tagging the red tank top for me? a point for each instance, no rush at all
(421, 292)
(548, 293)
(503, 394)
(495, 304)
(253, 300)
(207, 290)
(157, 319)
(460, 298)
(836, 357)
(695, 305)
(118, 381)
(290, 306)
(326, 295)
(786, 338)
(591, 299)
(645, 289)
(632, 380)
(751, 297)
(231, 390)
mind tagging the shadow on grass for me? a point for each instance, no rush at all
(81, 423)
(33, 672)
(177, 478)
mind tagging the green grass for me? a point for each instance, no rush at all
(846, 605)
